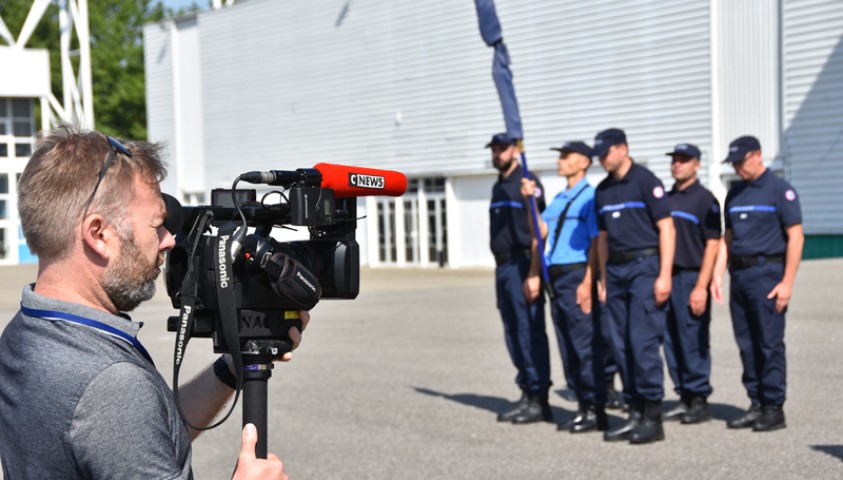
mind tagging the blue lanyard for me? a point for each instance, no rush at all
(108, 330)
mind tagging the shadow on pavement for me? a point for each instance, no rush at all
(493, 404)
(835, 451)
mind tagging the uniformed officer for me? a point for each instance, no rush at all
(511, 241)
(635, 249)
(696, 217)
(570, 226)
(764, 242)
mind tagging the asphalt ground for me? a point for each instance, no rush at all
(405, 382)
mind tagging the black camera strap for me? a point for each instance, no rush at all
(188, 295)
(561, 222)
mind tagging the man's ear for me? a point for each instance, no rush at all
(98, 236)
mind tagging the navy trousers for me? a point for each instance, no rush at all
(686, 345)
(759, 332)
(637, 327)
(581, 342)
(524, 327)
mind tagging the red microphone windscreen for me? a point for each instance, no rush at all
(348, 181)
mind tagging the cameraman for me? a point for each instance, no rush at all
(81, 397)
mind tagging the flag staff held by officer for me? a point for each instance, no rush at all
(511, 242)
(570, 226)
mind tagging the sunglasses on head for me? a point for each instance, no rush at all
(116, 147)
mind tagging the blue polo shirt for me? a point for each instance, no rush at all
(510, 224)
(696, 215)
(628, 209)
(758, 213)
(579, 226)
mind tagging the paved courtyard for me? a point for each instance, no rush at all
(405, 382)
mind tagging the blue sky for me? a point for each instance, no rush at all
(176, 4)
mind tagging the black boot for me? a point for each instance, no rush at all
(508, 415)
(622, 432)
(614, 400)
(747, 419)
(537, 410)
(650, 429)
(772, 418)
(594, 419)
(697, 411)
(582, 411)
(677, 411)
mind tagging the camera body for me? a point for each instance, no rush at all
(224, 255)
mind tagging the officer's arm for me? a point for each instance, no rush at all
(795, 242)
(782, 292)
(712, 246)
(667, 245)
(716, 287)
(602, 258)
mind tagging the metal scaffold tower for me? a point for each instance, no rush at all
(77, 105)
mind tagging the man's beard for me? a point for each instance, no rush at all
(129, 282)
(504, 166)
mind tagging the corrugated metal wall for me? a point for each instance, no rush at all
(813, 109)
(749, 73)
(407, 84)
(159, 91)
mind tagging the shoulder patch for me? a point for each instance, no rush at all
(790, 195)
(658, 192)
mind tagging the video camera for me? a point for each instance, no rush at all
(271, 280)
(234, 283)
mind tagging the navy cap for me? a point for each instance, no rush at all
(740, 147)
(575, 146)
(606, 139)
(501, 139)
(685, 149)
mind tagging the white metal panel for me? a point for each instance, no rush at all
(813, 109)
(407, 85)
(189, 151)
(160, 94)
(749, 73)
(26, 72)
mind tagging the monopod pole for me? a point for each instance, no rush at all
(256, 372)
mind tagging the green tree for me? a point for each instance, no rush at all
(116, 30)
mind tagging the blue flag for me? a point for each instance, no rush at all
(490, 30)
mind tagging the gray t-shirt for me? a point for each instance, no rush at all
(79, 402)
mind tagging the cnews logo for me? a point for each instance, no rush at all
(365, 181)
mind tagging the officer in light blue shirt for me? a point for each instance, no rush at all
(570, 225)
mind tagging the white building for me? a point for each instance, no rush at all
(25, 92)
(406, 85)
(25, 81)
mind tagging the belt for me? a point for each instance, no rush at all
(630, 255)
(677, 269)
(556, 271)
(744, 262)
(505, 257)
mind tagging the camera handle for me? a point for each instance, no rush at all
(257, 368)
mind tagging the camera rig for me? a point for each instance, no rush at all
(233, 282)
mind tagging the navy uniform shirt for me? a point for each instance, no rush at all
(696, 215)
(509, 214)
(628, 209)
(758, 213)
